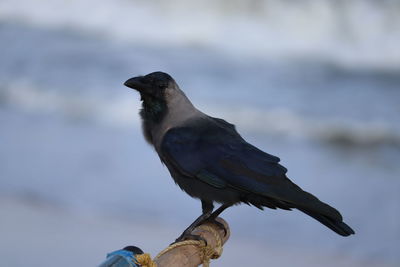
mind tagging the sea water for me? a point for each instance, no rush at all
(315, 83)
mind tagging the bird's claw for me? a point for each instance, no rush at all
(185, 236)
(218, 224)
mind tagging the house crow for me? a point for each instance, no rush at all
(210, 161)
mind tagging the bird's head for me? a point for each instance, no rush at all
(153, 87)
(158, 91)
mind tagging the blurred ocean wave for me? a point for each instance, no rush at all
(283, 122)
(353, 33)
(80, 77)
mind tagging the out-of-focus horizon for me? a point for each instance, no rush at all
(316, 83)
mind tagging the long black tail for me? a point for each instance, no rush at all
(337, 226)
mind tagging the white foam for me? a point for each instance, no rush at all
(118, 112)
(286, 122)
(355, 33)
(121, 111)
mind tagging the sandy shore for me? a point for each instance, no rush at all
(35, 234)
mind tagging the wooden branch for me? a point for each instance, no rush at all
(191, 255)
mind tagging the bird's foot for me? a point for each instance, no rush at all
(184, 236)
(218, 224)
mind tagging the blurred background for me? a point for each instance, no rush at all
(316, 83)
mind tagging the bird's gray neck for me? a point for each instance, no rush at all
(164, 116)
(153, 109)
(152, 113)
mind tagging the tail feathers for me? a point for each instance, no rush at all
(337, 226)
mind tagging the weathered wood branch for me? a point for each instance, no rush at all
(191, 255)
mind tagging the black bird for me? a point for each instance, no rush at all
(210, 161)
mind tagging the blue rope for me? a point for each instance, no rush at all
(120, 258)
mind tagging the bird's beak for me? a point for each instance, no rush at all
(138, 84)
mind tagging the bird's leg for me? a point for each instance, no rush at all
(207, 211)
(215, 214)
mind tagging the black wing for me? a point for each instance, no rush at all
(211, 150)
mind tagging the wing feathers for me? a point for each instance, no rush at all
(217, 155)
(337, 226)
(281, 188)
